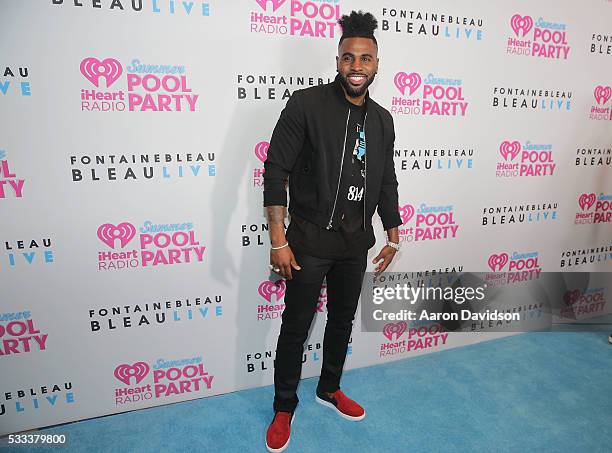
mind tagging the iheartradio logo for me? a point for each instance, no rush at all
(521, 24)
(109, 234)
(411, 81)
(396, 329)
(138, 371)
(268, 287)
(509, 150)
(406, 213)
(275, 4)
(93, 69)
(602, 94)
(261, 151)
(497, 262)
(586, 201)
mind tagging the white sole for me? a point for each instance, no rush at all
(278, 450)
(610, 338)
(347, 417)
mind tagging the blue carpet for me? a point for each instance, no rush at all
(536, 392)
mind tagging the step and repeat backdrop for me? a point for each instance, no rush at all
(134, 246)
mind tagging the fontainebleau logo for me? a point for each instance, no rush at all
(431, 24)
(602, 212)
(438, 158)
(28, 252)
(432, 222)
(599, 110)
(596, 256)
(148, 315)
(266, 87)
(118, 168)
(600, 44)
(261, 153)
(438, 97)
(158, 244)
(156, 7)
(528, 98)
(549, 39)
(154, 88)
(593, 156)
(296, 18)
(513, 214)
(535, 160)
(10, 185)
(7, 81)
(174, 377)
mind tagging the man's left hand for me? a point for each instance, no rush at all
(386, 255)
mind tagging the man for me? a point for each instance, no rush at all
(336, 146)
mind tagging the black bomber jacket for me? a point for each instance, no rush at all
(308, 146)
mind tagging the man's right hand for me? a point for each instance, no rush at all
(283, 260)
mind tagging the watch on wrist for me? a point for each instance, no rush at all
(393, 245)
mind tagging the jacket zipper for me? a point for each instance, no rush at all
(329, 225)
(365, 172)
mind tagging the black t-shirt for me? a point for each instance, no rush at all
(350, 239)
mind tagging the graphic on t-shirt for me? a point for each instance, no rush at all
(355, 191)
(360, 145)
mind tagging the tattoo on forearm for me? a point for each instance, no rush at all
(276, 214)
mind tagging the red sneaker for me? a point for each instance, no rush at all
(279, 432)
(342, 404)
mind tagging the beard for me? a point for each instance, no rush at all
(356, 92)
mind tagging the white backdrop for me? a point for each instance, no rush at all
(80, 332)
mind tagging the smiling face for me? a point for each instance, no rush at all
(357, 64)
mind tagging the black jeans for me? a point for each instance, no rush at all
(344, 279)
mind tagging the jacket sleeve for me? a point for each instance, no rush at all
(388, 202)
(285, 146)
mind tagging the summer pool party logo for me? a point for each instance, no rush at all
(150, 87)
(156, 245)
(305, 19)
(535, 159)
(437, 97)
(431, 223)
(415, 338)
(512, 268)
(537, 38)
(142, 381)
(594, 209)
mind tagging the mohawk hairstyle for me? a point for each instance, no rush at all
(358, 25)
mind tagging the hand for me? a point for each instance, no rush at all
(283, 260)
(386, 255)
